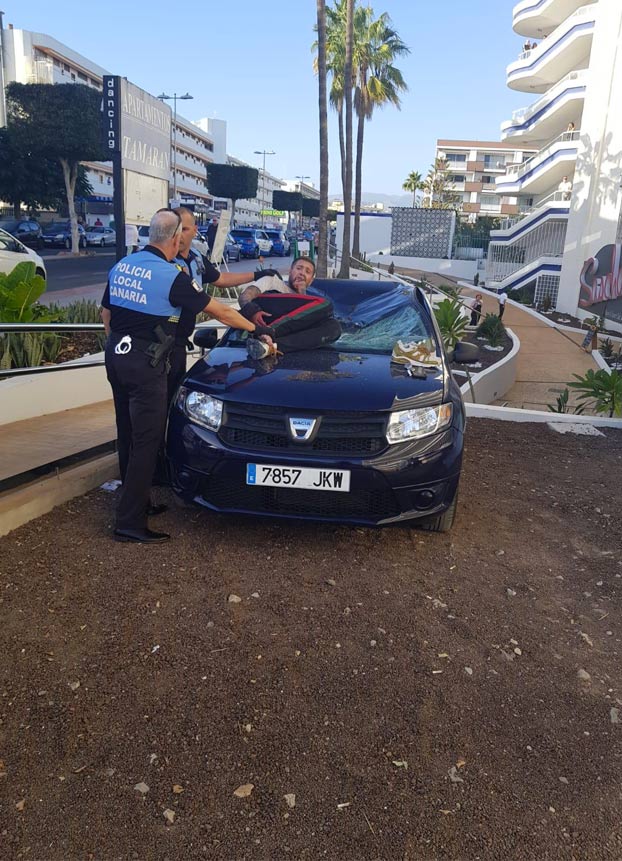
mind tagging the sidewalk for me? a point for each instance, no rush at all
(546, 361)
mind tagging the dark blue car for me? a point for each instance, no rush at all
(335, 434)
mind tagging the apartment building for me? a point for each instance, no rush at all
(30, 57)
(250, 211)
(470, 174)
(566, 244)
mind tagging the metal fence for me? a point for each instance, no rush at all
(47, 328)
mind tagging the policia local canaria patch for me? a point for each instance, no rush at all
(127, 282)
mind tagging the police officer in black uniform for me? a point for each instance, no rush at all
(203, 272)
(142, 304)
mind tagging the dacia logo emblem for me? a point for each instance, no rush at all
(301, 429)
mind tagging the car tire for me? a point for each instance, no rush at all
(442, 522)
(102, 243)
(256, 253)
(40, 272)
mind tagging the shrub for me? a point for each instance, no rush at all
(606, 348)
(547, 303)
(561, 404)
(450, 321)
(601, 390)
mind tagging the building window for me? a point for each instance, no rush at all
(457, 156)
(456, 178)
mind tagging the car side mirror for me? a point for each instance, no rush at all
(465, 352)
(206, 338)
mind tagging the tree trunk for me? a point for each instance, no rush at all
(358, 191)
(321, 264)
(233, 202)
(344, 271)
(414, 198)
(342, 149)
(70, 175)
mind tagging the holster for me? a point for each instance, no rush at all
(159, 350)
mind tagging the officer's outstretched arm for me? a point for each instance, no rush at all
(227, 315)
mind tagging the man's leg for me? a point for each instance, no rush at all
(122, 415)
(146, 388)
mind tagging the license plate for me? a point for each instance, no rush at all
(304, 478)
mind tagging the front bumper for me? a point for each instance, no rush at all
(410, 481)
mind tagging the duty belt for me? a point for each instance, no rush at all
(155, 350)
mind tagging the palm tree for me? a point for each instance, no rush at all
(438, 188)
(344, 270)
(335, 62)
(378, 83)
(321, 63)
(414, 182)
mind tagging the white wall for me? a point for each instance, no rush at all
(375, 233)
(597, 193)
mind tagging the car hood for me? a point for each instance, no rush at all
(314, 380)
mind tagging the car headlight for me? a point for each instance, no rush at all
(202, 409)
(414, 424)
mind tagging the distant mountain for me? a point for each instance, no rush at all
(387, 199)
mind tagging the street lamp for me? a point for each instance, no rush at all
(174, 98)
(264, 153)
(302, 178)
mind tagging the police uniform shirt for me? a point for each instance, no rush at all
(183, 294)
(202, 272)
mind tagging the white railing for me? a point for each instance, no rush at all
(523, 113)
(518, 170)
(524, 211)
(557, 34)
(505, 258)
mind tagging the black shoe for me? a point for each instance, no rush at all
(143, 536)
(155, 508)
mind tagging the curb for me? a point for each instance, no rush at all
(489, 372)
(24, 504)
(515, 414)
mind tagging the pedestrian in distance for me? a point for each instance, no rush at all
(144, 298)
(502, 299)
(131, 238)
(211, 234)
(476, 310)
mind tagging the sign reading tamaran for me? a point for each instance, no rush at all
(126, 283)
(137, 125)
(601, 282)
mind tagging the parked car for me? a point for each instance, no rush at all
(233, 251)
(12, 252)
(252, 241)
(143, 236)
(27, 230)
(101, 236)
(280, 243)
(199, 243)
(58, 233)
(339, 433)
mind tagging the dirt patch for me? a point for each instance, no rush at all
(79, 344)
(487, 358)
(445, 697)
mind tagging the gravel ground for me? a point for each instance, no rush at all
(422, 696)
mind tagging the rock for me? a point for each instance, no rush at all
(177, 789)
(614, 715)
(584, 675)
(468, 671)
(563, 780)
(142, 788)
(372, 642)
(234, 599)
(210, 625)
(20, 805)
(518, 651)
(255, 595)
(500, 553)
(290, 799)
(244, 791)
(169, 815)
(74, 685)
(454, 776)
(331, 582)
(511, 593)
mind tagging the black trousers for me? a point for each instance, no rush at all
(326, 332)
(140, 403)
(300, 322)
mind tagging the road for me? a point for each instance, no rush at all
(72, 278)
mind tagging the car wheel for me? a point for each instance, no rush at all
(442, 522)
(256, 253)
(40, 272)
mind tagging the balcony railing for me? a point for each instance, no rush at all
(521, 113)
(518, 170)
(524, 210)
(550, 41)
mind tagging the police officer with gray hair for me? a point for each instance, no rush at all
(144, 298)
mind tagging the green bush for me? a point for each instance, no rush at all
(600, 390)
(561, 404)
(492, 329)
(450, 321)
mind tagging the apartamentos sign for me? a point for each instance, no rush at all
(601, 281)
(138, 126)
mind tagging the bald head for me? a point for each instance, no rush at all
(165, 232)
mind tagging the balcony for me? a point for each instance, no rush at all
(543, 171)
(565, 50)
(538, 18)
(560, 105)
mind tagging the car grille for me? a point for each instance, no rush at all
(258, 428)
(370, 506)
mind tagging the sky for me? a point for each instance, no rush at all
(250, 63)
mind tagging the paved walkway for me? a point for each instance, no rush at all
(546, 361)
(36, 442)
